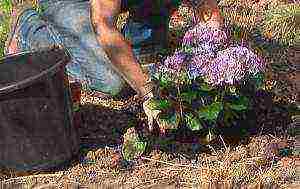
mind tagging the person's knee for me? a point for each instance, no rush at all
(116, 87)
(111, 87)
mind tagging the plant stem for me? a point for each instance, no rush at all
(180, 102)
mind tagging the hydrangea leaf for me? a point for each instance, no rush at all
(232, 90)
(240, 104)
(258, 80)
(140, 146)
(164, 81)
(229, 114)
(205, 87)
(189, 96)
(169, 121)
(133, 150)
(161, 104)
(211, 112)
(164, 104)
(187, 49)
(132, 146)
(192, 122)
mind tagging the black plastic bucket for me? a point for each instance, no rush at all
(36, 127)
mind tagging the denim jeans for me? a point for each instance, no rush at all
(67, 22)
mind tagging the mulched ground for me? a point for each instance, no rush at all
(264, 160)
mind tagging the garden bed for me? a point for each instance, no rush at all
(260, 163)
(262, 160)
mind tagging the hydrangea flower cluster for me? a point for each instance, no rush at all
(232, 65)
(204, 54)
(174, 66)
(198, 66)
(204, 49)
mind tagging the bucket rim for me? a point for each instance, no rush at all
(13, 86)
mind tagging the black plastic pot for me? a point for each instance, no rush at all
(36, 127)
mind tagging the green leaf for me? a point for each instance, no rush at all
(131, 122)
(228, 116)
(232, 90)
(192, 122)
(140, 146)
(76, 107)
(160, 104)
(6, 6)
(164, 81)
(239, 105)
(172, 121)
(188, 49)
(258, 80)
(211, 112)
(132, 146)
(205, 87)
(189, 96)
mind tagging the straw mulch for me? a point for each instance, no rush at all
(263, 161)
(255, 165)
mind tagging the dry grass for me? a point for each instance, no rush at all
(255, 165)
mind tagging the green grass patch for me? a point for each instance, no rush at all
(5, 10)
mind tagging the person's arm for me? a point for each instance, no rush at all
(103, 14)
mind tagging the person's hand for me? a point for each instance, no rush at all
(151, 113)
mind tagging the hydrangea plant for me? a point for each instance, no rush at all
(201, 83)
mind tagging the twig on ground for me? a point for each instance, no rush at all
(43, 186)
(223, 142)
(160, 185)
(32, 176)
(172, 164)
(210, 147)
(272, 136)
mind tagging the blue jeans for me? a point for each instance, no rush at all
(67, 22)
